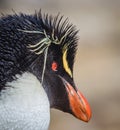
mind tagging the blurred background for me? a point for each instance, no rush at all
(97, 65)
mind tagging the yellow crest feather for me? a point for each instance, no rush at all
(65, 63)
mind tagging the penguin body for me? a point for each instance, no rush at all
(24, 105)
(36, 71)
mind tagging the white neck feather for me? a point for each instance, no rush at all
(24, 105)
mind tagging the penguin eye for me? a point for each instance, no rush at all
(54, 66)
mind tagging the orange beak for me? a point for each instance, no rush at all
(78, 104)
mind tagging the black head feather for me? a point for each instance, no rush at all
(21, 37)
(14, 38)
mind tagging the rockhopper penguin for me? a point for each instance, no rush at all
(36, 71)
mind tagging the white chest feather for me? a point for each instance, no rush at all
(24, 105)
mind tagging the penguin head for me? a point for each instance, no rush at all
(56, 50)
(45, 46)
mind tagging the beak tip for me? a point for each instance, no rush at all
(86, 116)
(87, 110)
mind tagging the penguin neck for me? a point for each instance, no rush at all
(24, 104)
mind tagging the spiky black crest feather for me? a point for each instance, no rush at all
(57, 28)
(63, 31)
(54, 30)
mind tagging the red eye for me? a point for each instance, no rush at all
(54, 66)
